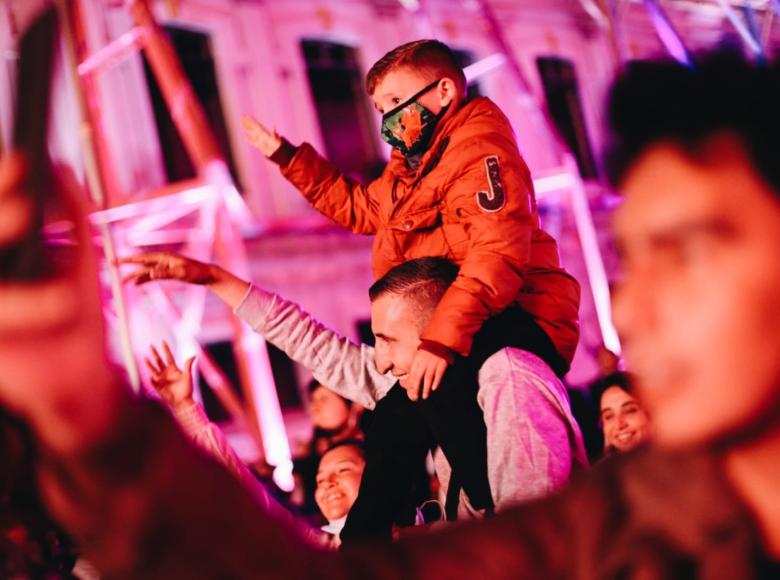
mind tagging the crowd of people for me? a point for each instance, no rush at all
(475, 323)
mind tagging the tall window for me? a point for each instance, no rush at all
(563, 101)
(336, 84)
(194, 52)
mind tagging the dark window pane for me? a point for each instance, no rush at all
(194, 52)
(563, 101)
(336, 85)
(282, 367)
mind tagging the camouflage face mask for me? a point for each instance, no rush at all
(410, 126)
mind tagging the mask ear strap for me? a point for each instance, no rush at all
(412, 98)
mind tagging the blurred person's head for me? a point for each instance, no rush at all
(329, 411)
(607, 360)
(625, 422)
(414, 86)
(338, 479)
(698, 310)
(402, 302)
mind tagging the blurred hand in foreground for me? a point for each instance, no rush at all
(53, 370)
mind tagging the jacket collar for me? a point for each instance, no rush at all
(398, 163)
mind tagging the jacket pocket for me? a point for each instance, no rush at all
(424, 219)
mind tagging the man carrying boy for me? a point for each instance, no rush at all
(457, 187)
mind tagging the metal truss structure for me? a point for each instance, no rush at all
(212, 210)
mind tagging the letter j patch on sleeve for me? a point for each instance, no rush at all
(495, 199)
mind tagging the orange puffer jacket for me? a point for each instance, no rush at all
(470, 199)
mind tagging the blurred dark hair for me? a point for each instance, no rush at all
(314, 384)
(356, 443)
(618, 379)
(655, 101)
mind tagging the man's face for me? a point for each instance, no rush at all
(400, 84)
(626, 424)
(338, 481)
(699, 305)
(396, 325)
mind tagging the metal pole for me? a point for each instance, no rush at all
(594, 264)
(98, 169)
(193, 127)
(741, 28)
(187, 114)
(667, 33)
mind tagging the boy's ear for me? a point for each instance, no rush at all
(447, 91)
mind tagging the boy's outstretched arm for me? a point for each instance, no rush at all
(350, 204)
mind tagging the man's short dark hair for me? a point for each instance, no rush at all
(432, 59)
(425, 280)
(661, 101)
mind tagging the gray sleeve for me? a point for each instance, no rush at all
(335, 361)
(533, 440)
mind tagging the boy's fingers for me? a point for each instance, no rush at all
(428, 384)
(252, 126)
(188, 365)
(438, 376)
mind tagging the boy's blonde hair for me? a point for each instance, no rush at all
(431, 58)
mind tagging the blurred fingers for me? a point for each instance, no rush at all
(158, 358)
(168, 354)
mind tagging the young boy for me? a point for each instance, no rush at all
(455, 186)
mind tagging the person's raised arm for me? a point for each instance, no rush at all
(335, 361)
(169, 266)
(350, 204)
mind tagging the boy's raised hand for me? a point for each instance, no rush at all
(425, 375)
(268, 142)
(172, 383)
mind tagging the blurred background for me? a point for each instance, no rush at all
(128, 118)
